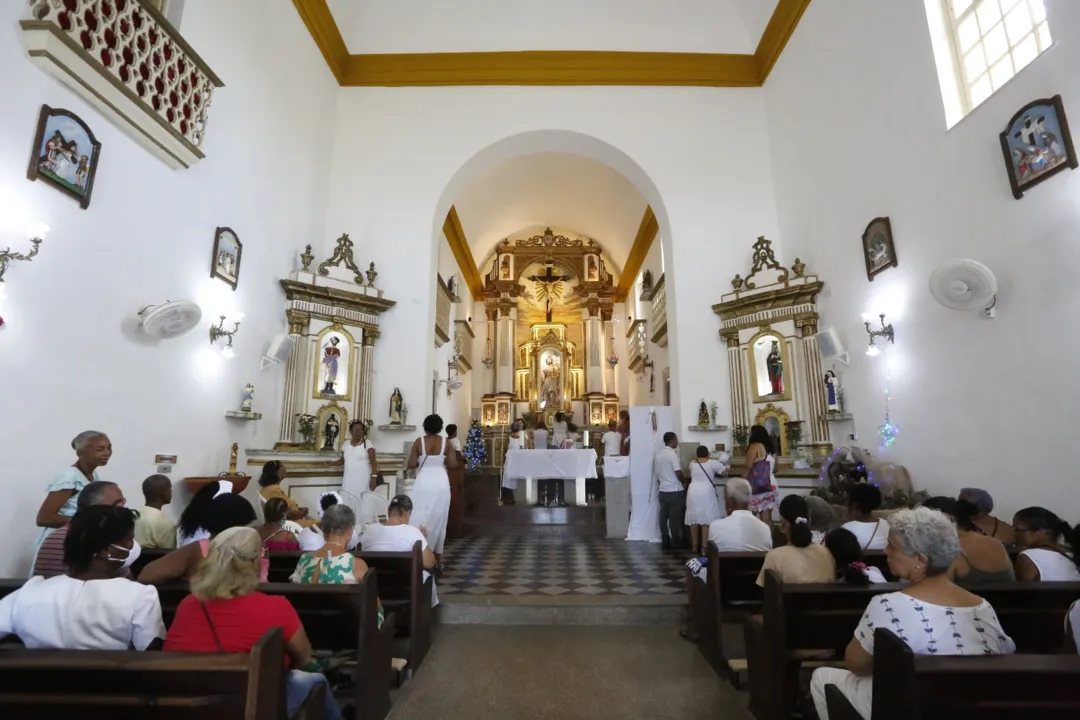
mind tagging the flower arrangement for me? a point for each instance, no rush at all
(793, 431)
(740, 434)
(306, 425)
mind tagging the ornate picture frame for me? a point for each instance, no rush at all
(879, 250)
(1037, 144)
(65, 154)
(225, 260)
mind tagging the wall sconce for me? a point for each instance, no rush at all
(6, 256)
(218, 331)
(886, 332)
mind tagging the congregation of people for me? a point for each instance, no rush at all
(82, 595)
(941, 551)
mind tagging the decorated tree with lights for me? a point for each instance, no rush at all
(474, 446)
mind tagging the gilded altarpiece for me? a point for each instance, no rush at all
(769, 323)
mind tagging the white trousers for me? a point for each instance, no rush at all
(858, 690)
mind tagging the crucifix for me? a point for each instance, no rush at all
(548, 285)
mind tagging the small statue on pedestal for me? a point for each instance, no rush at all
(396, 415)
(703, 415)
(248, 398)
(832, 392)
(333, 427)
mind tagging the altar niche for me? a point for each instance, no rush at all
(333, 374)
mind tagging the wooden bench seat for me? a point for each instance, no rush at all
(941, 687)
(819, 620)
(61, 684)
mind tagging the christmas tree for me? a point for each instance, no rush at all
(474, 446)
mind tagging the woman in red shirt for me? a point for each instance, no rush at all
(225, 613)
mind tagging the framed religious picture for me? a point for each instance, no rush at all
(225, 262)
(878, 249)
(65, 154)
(1037, 144)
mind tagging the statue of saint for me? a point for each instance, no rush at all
(550, 391)
(703, 415)
(775, 365)
(331, 357)
(832, 392)
(333, 427)
(395, 408)
(248, 398)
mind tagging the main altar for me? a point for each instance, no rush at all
(333, 314)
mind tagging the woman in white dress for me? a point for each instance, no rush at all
(1039, 534)
(516, 441)
(430, 456)
(361, 468)
(559, 431)
(702, 505)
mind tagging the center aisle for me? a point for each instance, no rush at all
(565, 673)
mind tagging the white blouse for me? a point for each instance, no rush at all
(871, 535)
(63, 613)
(930, 629)
(1053, 566)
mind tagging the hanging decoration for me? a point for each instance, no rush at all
(887, 431)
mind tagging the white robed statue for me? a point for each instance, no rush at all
(551, 391)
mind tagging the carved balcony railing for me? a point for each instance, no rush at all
(659, 313)
(443, 302)
(639, 345)
(463, 344)
(127, 61)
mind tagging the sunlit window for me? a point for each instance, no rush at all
(992, 40)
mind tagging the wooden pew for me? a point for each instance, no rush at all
(402, 589)
(939, 687)
(821, 619)
(118, 685)
(731, 591)
(337, 618)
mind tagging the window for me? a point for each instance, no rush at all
(989, 41)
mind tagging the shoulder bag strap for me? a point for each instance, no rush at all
(220, 647)
(872, 535)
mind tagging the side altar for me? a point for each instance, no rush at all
(333, 314)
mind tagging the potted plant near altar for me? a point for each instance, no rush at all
(740, 434)
(306, 425)
(793, 431)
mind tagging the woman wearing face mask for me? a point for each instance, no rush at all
(89, 608)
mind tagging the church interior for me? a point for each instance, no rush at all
(609, 243)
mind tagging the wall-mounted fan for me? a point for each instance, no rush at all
(964, 285)
(169, 320)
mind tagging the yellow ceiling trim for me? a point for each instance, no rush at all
(782, 24)
(645, 235)
(551, 67)
(459, 245)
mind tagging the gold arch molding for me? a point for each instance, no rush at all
(551, 67)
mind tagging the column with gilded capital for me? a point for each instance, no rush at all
(367, 372)
(504, 340)
(737, 373)
(814, 382)
(296, 370)
(594, 356)
(607, 339)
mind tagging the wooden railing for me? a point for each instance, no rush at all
(463, 344)
(130, 63)
(639, 344)
(443, 302)
(659, 313)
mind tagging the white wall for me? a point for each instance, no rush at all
(453, 409)
(398, 149)
(65, 365)
(857, 130)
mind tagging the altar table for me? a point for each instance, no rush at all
(528, 465)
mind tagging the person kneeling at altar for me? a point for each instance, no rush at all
(932, 614)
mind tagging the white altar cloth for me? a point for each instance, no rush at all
(530, 465)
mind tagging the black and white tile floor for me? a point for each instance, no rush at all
(552, 566)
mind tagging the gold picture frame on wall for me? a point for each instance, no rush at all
(777, 429)
(769, 382)
(331, 420)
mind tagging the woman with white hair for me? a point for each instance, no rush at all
(225, 613)
(932, 614)
(92, 450)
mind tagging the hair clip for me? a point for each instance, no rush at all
(800, 521)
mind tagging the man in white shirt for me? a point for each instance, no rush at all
(740, 531)
(667, 471)
(612, 440)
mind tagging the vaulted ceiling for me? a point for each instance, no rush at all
(569, 192)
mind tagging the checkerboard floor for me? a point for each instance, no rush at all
(559, 566)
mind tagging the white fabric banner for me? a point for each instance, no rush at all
(645, 442)
(543, 464)
(617, 466)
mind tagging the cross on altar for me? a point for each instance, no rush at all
(549, 284)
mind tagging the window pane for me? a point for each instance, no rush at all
(968, 33)
(1038, 10)
(980, 90)
(1007, 5)
(1025, 52)
(959, 6)
(988, 13)
(1018, 23)
(974, 62)
(995, 43)
(1002, 72)
(1044, 36)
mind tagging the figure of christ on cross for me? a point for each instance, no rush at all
(547, 286)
